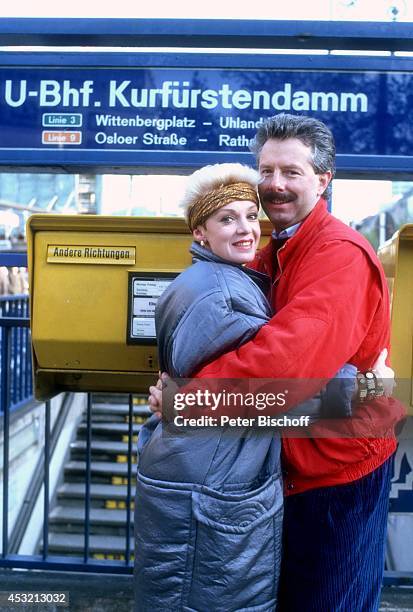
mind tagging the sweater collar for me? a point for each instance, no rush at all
(286, 233)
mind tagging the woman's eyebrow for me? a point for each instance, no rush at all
(235, 212)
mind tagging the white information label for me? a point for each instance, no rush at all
(153, 287)
(144, 292)
(143, 328)
(144, 307)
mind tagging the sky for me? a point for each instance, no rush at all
(370, 10)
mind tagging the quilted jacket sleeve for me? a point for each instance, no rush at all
(213, 324)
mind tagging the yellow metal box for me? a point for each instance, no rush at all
(94, 282)
(396, 256)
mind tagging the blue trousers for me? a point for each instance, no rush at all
(333, 546)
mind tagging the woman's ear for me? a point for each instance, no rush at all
(198, 234)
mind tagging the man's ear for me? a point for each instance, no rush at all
(324, 180)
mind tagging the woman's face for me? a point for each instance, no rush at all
(232, 232)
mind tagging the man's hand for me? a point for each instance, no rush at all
(155, 394)
(385, 373)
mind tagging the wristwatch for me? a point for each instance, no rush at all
(369, 386)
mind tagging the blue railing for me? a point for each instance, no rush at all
(86, 562)
(15, 351)
(16, 388)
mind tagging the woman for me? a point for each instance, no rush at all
(209, 501)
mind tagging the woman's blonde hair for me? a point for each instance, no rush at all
(211, 187)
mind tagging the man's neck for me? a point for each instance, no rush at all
(287, 232)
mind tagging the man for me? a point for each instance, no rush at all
(331, 303)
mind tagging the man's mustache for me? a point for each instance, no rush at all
(273, 196)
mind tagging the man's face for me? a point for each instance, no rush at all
(290, 188)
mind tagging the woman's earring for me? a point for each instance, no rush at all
(202, 243)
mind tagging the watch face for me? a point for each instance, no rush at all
(369, 375)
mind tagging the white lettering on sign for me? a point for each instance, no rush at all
(66, 137)
(178, 95)
(235, 123)
(234, 141)
(115, 138)
(159, 123)
(171, 139)
(49, 93)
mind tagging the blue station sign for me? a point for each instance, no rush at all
(157, 115)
